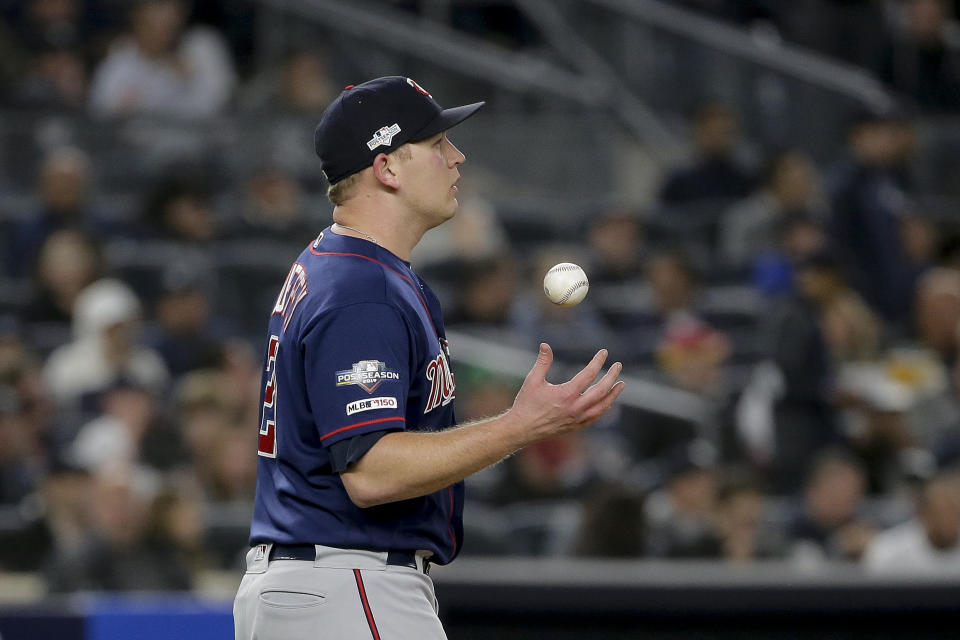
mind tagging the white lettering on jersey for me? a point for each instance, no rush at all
(370, 404)
(442, 385)
(293, 291)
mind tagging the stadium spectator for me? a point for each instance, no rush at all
(213, 429)
(68, 262)
(692, 354)
(616, 241)
(239, 369)
(301, 85)
(681, 517)
(52, 23)
(673, 283)
(866, 200)
(185, 333)
(120, 551)
(20, 371)
(920, 237)
(116, 435)
(853, 333)
(162, 67)
(55, 520)
(272, 206)
(486, 293)
(789, 188)
(180, 228)
(938, 312)
(202, 410)
(175, 530)
(797, 238)
(557, 471)
(828, 525)
(105, 349)
(179, 208)
(227, 474)
(55, 78)
(21, 450)
(927, 544)
(740, 527)
(688, 350)
(805, 416)
(63, 187)
(613, 524)
(715, 173)
(922, 59)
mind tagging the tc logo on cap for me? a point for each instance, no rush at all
(413, 84)
(383, 136)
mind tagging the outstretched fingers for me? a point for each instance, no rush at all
(582, 380)
(602, 388)
(606, 401)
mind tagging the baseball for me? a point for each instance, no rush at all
(566, 284)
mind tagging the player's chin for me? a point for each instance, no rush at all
(451, 209)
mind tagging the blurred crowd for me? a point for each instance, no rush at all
(913, 45)
(802, 316)
(120, 57)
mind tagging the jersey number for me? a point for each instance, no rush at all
(267, 442)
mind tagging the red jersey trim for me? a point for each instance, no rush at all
(388, 268)
(362, 424)
(453, 538)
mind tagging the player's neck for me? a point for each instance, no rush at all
(384, 230)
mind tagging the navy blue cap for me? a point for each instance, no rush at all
(376, 117)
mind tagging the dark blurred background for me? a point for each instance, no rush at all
(765, 196)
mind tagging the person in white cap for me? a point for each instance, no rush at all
(106, 320)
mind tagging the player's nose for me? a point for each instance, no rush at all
(457, 156)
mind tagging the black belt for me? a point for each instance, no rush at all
(309, 552)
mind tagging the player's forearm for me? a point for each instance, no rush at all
(409, 464)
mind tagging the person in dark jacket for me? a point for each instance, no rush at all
(866, 200)
(804, 415)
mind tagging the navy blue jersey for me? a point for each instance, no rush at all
(356, 348)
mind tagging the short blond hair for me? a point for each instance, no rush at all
(342, 191)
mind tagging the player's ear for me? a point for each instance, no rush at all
(383, 170)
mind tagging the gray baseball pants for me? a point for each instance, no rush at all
(343, 595)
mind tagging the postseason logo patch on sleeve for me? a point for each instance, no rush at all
(366, 374)
(370, 404)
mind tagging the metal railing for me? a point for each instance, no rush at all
(639, 393)
(595, 86)
(793, 61)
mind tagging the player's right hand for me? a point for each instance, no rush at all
(546, 410)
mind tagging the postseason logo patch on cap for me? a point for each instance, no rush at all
(383, 136)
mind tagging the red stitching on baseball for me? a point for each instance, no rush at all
(572, 289)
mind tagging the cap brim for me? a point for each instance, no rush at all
(447, 119)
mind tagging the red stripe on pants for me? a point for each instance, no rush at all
(366, 605)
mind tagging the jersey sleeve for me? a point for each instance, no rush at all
(343, 453)
(357, 368)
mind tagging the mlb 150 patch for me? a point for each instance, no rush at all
(366, 374)
(359, 406)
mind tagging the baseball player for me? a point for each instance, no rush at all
(361, 462)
